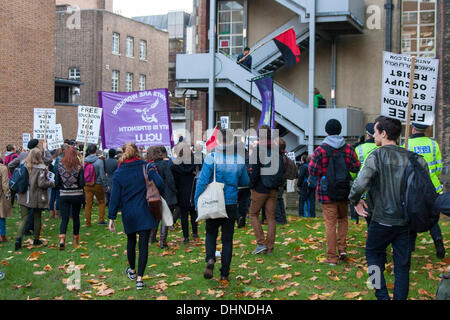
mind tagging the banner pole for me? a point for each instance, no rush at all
(86, 135)
(45, 130)
(411, 85)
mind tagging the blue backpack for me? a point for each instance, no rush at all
(19, 180)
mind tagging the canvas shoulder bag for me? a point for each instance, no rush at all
(211, 203)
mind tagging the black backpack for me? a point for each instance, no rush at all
(418, 196)
(337, 176)
(322, 102)
(19, 179)
(273, 181)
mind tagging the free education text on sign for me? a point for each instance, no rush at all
(395, 94)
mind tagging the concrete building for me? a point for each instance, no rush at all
(107, 52)
(27, 54)
(350, 37)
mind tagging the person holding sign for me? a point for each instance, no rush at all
(36, 197)
(429, 150)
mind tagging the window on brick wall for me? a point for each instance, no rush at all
(115, 81)
(142, 82)
(419, 27)
(129, 82)
(143, 50)
(74, 74)
(130, 47)
(116, 43)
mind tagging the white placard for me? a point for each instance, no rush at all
(224, 122)
(395, 93)
(39, 123)
(291, 155)
(26, 137)
(58, 140)
(93, 128)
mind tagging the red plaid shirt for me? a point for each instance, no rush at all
(319, 166)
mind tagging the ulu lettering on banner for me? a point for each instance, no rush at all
(396, 81)
(141, 117)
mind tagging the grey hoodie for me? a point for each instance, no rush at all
(336, 142)
(99, 169)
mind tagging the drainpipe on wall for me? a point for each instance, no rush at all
(333, 72)
(389, 8)
(212, 71)
(312, 44)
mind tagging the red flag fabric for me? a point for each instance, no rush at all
(212, 141)
(287, 44)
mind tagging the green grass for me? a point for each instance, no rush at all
(293, 272)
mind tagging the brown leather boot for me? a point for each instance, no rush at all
(76, 240)
(163, 237)
(62, 241)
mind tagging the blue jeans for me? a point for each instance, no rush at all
(54, 197)
(212, 229)
(2, 227)
(307, 204)
(378, 239)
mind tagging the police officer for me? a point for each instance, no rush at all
(429, 149)
(362, 151)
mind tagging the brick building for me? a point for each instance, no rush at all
(108, 52)
(348, 65)
(27, 53)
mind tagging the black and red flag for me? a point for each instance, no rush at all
(287, 44)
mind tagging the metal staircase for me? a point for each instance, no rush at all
(290, 112)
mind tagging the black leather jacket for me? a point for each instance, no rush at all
(382, 177)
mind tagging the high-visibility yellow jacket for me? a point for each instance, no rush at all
(363, 151)
(429, 149)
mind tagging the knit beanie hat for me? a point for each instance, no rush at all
(333, 127)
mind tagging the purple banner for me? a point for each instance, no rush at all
(142, 117)
(265, 87)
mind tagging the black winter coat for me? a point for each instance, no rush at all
(184, 175)
(170, 190)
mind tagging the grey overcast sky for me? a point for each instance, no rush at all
(133, 8)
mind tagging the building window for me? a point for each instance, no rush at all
(115, 80)
(116, 43)
(129, 83)
(130, 47)
(230, 27)
(419, 28)
(74, 74)
(142, 82)
(143, 50)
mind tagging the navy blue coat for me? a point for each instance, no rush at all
(128, 193)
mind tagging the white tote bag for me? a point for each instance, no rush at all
(167, 219)
(211, 203)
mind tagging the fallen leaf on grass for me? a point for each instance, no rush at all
(36, 265)
(176, 264)
(106, 270)
(105, 292)
(351, 295)
(34, 256)
(424, 292)
(198, 292)
(359, 274)
(4, 263)
(293, 293)
(58, 298)
(39, 273)
(313, 278)
(211, 292)
(162, 298)
(48, 268)
(84, 256)
(314, 297)
(318, 287)
(336, 278)
(220, 294)
(175, 283)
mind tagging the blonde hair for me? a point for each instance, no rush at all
(33, 157)
(130, 151)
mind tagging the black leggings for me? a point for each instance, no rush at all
(143, 250)
(68, 205)
(185, 213)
